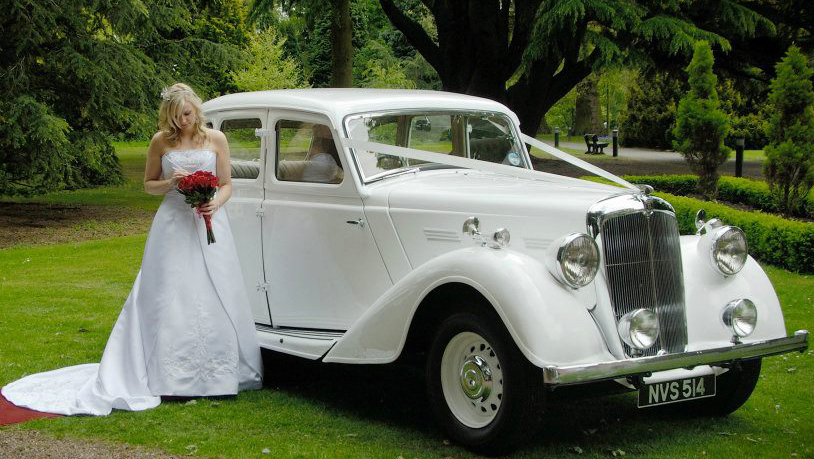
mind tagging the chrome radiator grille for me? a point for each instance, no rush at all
(643, 268)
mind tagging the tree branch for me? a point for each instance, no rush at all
(415, 34)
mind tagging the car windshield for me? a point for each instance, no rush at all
(477, 135)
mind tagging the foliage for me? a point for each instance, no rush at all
(789, 166)
(649, 118)
(562, 113)
(752, 193)
(747, 120)
(701, 125)
(772, 239)
(530, 54)
(74, 75)
(268, 68)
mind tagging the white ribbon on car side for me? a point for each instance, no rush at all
(485, 166)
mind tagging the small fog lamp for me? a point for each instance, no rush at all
(639, 329)
(740, 316)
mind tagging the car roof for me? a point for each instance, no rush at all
(340, 102)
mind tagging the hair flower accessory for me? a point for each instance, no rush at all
(168, 92)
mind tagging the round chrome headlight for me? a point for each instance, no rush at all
(729, 250)
(639, 329)
(575, 261)
(741, 317)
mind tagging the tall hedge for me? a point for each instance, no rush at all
(775, 240)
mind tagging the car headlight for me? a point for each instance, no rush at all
(740, 316)
(729, 250)
(574, 260)
(639, 329)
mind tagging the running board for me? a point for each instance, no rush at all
(306, 343)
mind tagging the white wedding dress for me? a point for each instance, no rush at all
(185, 329)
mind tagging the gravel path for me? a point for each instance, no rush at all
(32, 444)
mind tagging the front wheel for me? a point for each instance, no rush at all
(482, 389)
(732, 390)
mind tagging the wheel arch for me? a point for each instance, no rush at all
(549, 323)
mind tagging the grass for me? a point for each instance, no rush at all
(132, 156)
(750, 155)
(58, 305)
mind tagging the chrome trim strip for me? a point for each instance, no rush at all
(577, 374)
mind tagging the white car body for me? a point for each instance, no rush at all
(339, 272)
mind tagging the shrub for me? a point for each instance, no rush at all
(753, 193)
(775, 240)
(789, 165)
(701, 126)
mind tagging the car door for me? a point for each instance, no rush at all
(322, 266)
(244, 130)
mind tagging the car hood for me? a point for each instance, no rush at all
(428, 209)
(461, 191)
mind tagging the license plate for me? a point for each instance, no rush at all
(662, 393)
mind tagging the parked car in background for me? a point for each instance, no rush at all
(505, 281)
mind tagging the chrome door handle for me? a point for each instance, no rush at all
(360, 222)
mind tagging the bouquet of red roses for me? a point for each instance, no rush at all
(198, 189)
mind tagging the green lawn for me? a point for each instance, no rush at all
(58, 305)
(132, 156)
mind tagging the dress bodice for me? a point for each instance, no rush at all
(189, 160)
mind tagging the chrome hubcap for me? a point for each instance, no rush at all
(472, 379)
(476, 378)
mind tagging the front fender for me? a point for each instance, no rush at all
(707, 292)
(549, 322)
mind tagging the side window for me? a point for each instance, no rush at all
(244, 146)
(306, 152)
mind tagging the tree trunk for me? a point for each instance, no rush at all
(544, 127)
(341, 45)
(480, 45)
(587, 116)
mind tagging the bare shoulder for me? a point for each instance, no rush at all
(218, 140)
(158, 143)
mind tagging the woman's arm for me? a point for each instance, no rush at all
(224, 172)
(152, 171)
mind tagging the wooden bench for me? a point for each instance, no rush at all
(595, 144)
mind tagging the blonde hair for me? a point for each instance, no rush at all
(173, 101)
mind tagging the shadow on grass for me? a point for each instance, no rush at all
(395, 395)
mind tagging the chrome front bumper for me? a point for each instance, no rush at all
(577, 374)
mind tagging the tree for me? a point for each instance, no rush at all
(701, 125)
(789, 165)
(74, 73)
(341, 27)
(530, 53)
(268, 68)
(649, 118)
(587, 110)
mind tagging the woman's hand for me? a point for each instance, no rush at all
(177, 175)
(209, 208)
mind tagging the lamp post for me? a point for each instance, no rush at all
(740, 142)
(615, 134)
(556, 137)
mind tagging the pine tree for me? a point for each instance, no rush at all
(789, 165)
(701, 126)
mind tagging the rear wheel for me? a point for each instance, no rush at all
(482, 389)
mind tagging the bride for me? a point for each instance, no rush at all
(185, 328)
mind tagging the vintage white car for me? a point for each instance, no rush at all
(376, 224)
